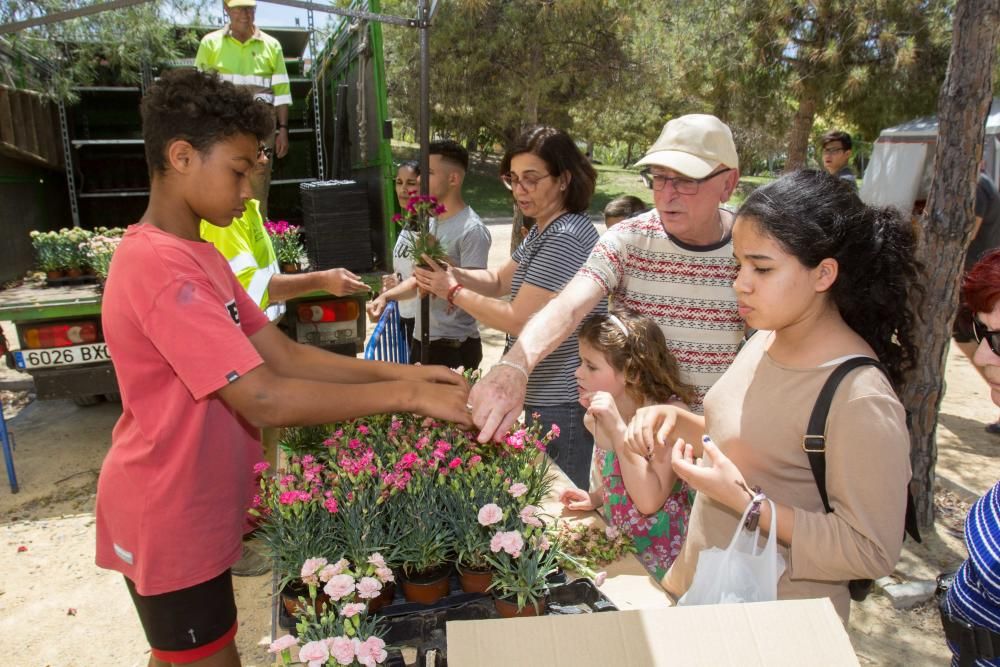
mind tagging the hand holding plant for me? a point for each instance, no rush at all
(416, 219)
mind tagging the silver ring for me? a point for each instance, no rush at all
(468, 406)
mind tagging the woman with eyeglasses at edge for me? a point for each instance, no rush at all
(970, 611)
(822, 278)
(552, 182)
(399, 285)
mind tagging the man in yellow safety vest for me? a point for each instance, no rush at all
(245, 55)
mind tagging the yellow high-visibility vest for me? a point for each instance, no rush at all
(248, 249)
(257, 63)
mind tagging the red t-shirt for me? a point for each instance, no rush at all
(176, 484)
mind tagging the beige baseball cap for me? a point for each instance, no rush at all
(693, 145)
(240, 3)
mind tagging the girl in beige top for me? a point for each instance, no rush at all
(823, 278)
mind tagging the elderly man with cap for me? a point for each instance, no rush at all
(673, 264)
(244, 54)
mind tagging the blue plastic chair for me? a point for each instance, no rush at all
(388, 341)
(7, 441)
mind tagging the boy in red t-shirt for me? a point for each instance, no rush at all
(201, 370)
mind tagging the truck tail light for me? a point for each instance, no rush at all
(328, 311)
(60, 335)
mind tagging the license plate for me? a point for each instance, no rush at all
(62, 356)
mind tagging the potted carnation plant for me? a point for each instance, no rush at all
(523, 551)
(423, 547)
(297, 521)
(337, 628)
(47, 258)
(287, 245)
(471, 526)
(522, 561)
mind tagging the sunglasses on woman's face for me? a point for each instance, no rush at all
(980, 331)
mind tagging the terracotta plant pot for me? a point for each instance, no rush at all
(474, 581)
(288, 267)
(290, 599)
(74, 273)
(427, 587)
(54, 275)
(384, 598)
(507, 608)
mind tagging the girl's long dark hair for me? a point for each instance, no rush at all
(813, 216)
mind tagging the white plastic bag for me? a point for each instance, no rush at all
(741, 573)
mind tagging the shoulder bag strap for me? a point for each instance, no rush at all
(814, 441)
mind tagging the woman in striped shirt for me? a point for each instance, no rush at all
(552, 182)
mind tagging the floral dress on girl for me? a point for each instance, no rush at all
(658, 537)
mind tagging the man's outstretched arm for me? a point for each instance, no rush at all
(498, 398)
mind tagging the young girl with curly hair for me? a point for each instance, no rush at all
(624, 365)
(822, 278)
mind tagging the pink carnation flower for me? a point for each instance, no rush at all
(370, 652)
(518, 489)
(339, 586)
(377, 560)
(489, 514)
(260, 467)
(599, 578)
(554, 431)
(369, 587)
(352, 609)
(282, 643)
(611, 532)
(314, 654)
(342, 650)
(544, 544)
(385, 574)
(528, 516)
(510, 541)
(310, 568)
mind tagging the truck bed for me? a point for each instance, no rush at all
(32, 300)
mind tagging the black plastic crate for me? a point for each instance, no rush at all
(419, 629)
(335, 219)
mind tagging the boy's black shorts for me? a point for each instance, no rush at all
(190, 624)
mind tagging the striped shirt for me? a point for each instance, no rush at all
(257, 63)
(975, 594)
(687, 290)
(549, 260)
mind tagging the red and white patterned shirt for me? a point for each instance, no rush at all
(687, 290)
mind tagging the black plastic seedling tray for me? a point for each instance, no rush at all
(420, 629)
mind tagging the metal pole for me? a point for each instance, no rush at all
(425, 139)
(74, 208)
(317, 118)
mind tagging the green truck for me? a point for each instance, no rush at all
(83, 165)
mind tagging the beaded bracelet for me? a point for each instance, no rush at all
(518, 367)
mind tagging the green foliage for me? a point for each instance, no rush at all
(498, 66)
(110, 47)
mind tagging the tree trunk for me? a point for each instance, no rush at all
(798, 135)
(947, 227)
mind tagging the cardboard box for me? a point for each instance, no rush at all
(789, 632)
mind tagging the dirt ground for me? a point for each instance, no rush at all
(58, 609)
